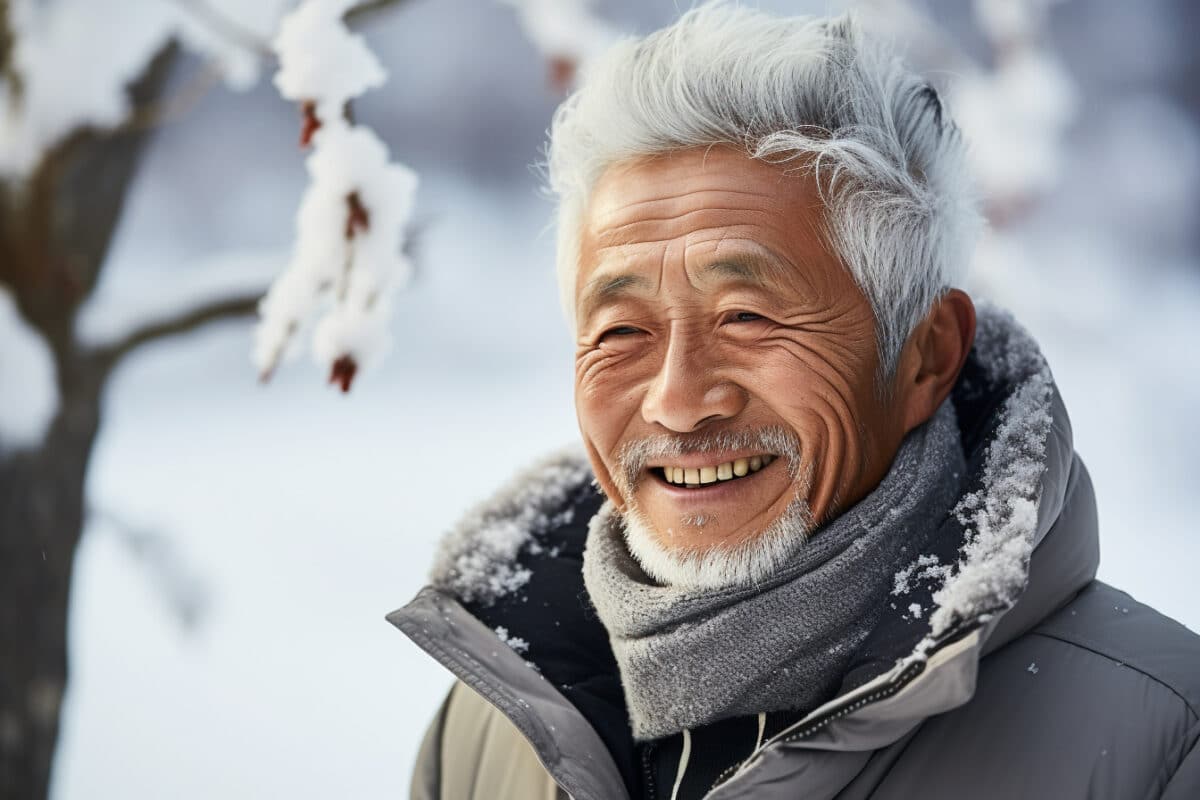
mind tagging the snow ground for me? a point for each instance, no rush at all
(305, 533)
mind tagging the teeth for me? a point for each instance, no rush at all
(729, 470)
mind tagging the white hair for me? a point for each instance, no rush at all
(888, 161)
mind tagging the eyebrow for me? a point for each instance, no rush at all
(750, 266)
(759, 269)
(605, 288)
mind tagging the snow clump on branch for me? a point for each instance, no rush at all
(351, 223)
(321, 61)
(566, 33)
(1016, 115)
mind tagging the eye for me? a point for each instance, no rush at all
(745, 316)
(621, 336)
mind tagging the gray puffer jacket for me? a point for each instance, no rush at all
(1002, 669)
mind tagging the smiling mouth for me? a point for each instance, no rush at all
(701, 477)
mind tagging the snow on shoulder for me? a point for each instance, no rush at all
(477, 560)
(1000, 518)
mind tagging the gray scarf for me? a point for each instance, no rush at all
(689, 658)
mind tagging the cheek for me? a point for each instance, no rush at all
(606, 404)
(815, 387)
(605, 396)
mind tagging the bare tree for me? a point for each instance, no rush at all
(55, 231)
(57, 220)
(56, 227)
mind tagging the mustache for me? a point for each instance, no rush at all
(634, 455)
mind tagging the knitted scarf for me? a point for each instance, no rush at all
(689, 658)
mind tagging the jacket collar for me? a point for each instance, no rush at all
(567, 746)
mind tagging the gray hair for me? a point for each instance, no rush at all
(888, 161)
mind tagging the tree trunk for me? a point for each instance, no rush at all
(55, 230)
(41, 518)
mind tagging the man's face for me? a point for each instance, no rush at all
(726, 360)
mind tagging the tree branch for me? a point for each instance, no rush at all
(182, 587)
(56, 224)
(160, 112)
(368, 8)
(227, 27)
(204, 79)
(190, 320)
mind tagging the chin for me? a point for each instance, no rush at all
(753, 560)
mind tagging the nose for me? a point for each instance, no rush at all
(689, 391)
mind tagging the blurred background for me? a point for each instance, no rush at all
(241, 543)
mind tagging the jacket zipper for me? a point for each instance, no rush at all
(650, 792)
(903, 679)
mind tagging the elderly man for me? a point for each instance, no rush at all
(829, 536)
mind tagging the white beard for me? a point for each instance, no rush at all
(718, 567)
(757, 558)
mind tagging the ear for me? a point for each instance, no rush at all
(933, 357)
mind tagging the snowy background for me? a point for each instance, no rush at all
(250, 658)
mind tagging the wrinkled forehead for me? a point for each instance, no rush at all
(648, 193)
(722, 214)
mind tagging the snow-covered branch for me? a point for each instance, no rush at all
(1014, 106)
(70, 62)
(349, 250)
(567, 33)
(1017, 113)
